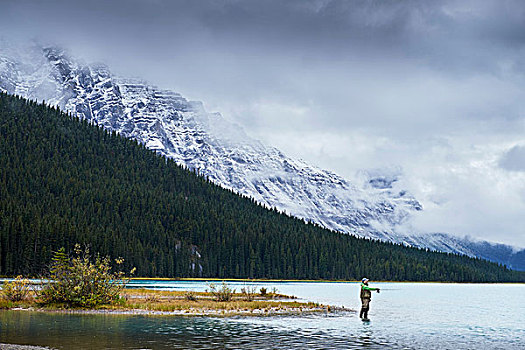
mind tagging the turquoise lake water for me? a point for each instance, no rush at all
(403, 316)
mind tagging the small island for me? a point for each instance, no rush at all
(81, 283)
(182, 303)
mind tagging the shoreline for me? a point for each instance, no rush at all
(196, 312)
(201, 279)
(5, 346)
(262, 280)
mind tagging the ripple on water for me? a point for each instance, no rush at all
(409, 316)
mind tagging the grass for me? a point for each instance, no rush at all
(143, 292)
(206, 305)
(8, 304)
(177, 302)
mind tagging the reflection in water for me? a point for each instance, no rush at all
(365, 337)
(163, 332)
(405, 316)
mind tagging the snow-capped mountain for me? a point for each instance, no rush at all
(166, 122)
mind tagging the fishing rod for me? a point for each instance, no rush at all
(382, 289)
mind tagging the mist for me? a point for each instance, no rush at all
(435, 88)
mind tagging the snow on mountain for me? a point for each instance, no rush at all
(510, 256)
(166, 122)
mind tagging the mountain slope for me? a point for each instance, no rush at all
(63, 180)
(182, 130)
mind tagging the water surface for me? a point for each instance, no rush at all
(403, 316)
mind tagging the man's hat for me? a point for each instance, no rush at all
(364, 280)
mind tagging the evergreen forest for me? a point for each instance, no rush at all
(65, 181)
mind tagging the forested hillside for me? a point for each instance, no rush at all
(64, 181)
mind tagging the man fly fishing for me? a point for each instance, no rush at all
(366, 295)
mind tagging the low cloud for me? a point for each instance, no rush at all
(435, 87)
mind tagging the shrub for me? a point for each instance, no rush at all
(263, 291)
(16, 290)
(221, 293)
(190, 296)
(152, 298)
(79, 281)
(249, 293)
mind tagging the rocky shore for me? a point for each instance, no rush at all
(21, 347)
(282, 310)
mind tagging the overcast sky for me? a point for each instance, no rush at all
(434, 87)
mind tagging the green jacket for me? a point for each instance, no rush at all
(366, 291)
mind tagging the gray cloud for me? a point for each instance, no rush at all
(514, 159)
(436, 87)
